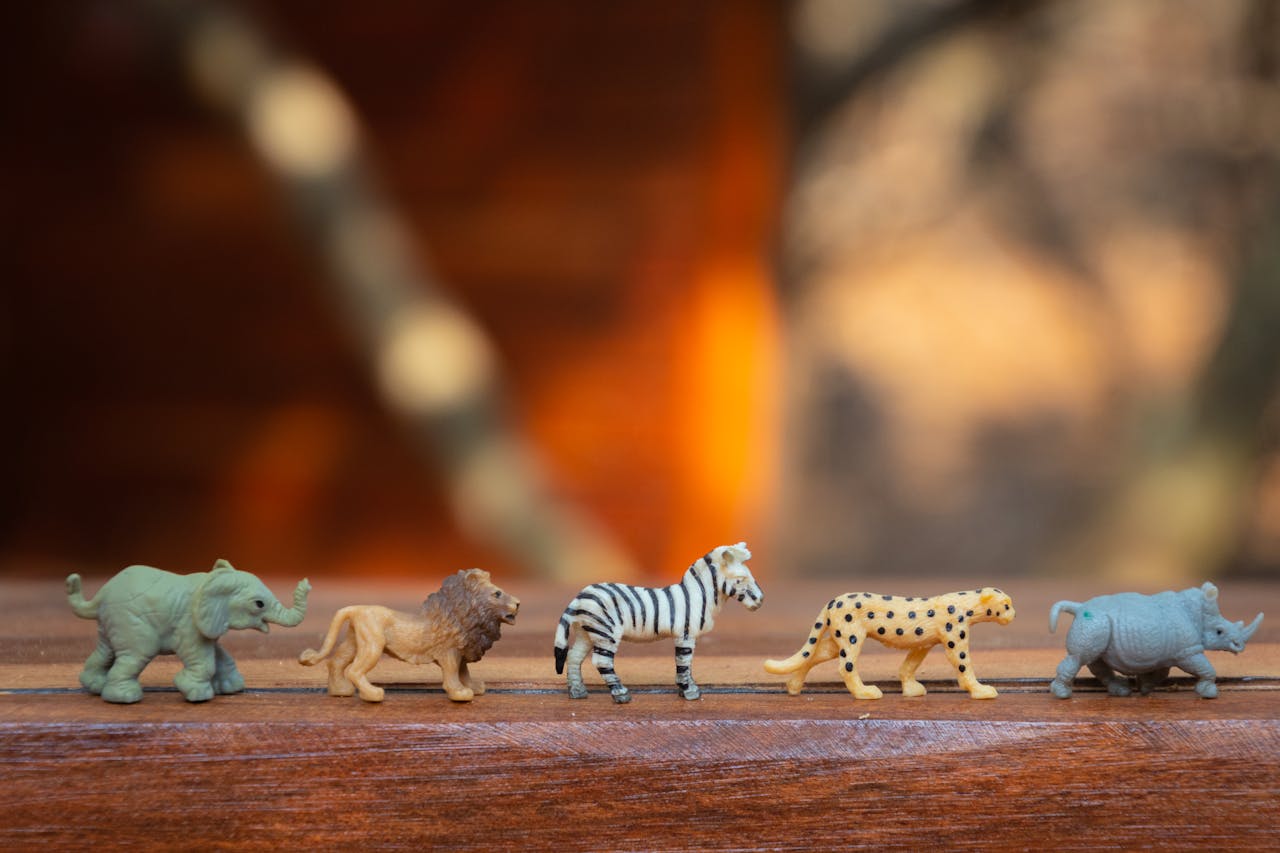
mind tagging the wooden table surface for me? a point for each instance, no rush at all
(746, 767)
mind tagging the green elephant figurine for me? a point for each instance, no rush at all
(143, 612)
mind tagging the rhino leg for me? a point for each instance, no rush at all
(1199, 666)
(1116, 685)
(1061, 684)
(1149, 681)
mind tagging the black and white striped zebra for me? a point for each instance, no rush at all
(604, 614)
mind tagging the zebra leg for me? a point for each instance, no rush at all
(602, 658)
(573, 666)
(684, 669)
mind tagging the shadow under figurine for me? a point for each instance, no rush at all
(455, 627)
(914, 623)
(1145, 636)
(604, 614)
(143, 612)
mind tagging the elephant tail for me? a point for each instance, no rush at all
(1072, 607)
(311, 657)
(83, 609)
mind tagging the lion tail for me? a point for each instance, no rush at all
(311, 657)
(791, 664)
(563, 630)
(1071, 607)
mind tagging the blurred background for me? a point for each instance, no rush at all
(582, 290)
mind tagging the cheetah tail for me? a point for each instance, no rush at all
(311, 657)
(791, 664)
(1070, 606)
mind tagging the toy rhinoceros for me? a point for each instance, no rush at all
(1146, 635)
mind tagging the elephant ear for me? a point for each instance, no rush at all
(210, 606)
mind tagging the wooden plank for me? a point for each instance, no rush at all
(746, 767)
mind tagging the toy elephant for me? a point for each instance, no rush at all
(143, 612)
(1146, 635)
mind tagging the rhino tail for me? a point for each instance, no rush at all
(1072, 607)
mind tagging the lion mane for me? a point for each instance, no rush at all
(461, 610)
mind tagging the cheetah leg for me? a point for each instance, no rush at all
(849, 668)
(573, 672)
(826, 648)
(959, 657)
(1116, 685)
(602, 659)
(907, 672)
(684, 669)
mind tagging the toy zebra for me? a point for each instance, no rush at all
(604, 614)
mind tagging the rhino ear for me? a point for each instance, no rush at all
(1210, 591)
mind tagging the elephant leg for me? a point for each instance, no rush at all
(199, 663)
(94, 675)
(469, 680)
(226, 678)
(369, 645)
(343, 655)
(1199, 666)
(122, 679)
(1116, 685)
(450, 667)
(1148, 681)
(573, 671)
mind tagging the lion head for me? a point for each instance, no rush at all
(473, 609)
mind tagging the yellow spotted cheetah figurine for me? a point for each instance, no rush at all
(916, 624)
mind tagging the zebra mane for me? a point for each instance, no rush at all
(733, 553)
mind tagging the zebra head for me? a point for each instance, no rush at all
(738, 580)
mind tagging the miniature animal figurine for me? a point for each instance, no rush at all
(916, 624)
(604, 614)
(455, 627)
(143, 612)
(1145, 636)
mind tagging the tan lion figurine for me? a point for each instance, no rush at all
(456, 626)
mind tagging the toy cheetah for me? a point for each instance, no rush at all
(916, 624)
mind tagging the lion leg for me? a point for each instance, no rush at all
(451, 666)
(907, 672)
(369, 645)
(469, 680)
(343, 655)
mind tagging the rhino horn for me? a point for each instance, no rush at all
(1253, 626)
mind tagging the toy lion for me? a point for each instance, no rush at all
(456, 626)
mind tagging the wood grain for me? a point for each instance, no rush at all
(746, 767)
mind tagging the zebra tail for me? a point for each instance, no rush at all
(562, 639)
(791, 664)
(1071, 607)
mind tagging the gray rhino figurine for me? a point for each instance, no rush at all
(1146, 635)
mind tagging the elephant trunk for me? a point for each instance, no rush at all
(1253, 626)
(290, 617)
